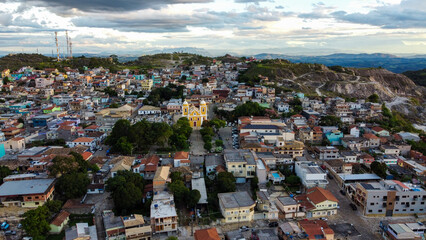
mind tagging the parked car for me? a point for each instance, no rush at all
(9, 233)
(323, 218)
(330, 176)
(353, 206)
(342, 192)
(273, 224)
(244, 228)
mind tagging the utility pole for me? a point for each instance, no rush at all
(57, 46)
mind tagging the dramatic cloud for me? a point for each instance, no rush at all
(128, 26)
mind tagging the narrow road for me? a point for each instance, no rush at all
(318, 91)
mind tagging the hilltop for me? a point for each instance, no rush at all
(164, 60)
(318, 79)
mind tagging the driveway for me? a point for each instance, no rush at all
(197, 143)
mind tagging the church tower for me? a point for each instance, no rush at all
(203, 109)
(185, 109)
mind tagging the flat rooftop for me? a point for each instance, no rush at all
(200, 185)
(25, 187)
(235, 199)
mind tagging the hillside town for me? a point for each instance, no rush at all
(195, 152)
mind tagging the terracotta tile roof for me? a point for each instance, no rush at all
(206, 234)
(60, 218)
(9, 129)
(92, 127)
(182, 155)
(377, 129)
(318, 195)
(370, 136)
(86, 155)
(83, 139)
(18, 139)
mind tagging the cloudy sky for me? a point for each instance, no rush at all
(237, 26)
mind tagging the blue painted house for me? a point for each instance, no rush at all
(334, 137)
(41, 121)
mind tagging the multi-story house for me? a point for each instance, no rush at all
(373, 140)
(236, 207)
(163, 213)
(390, 198)
(240, 163)
(289, 207)
(292, 148)
(318, 202)
(310, 174)
(391, 150)
(327, 152)
(27, 193)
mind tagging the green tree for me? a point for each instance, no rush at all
(218, 143)
(175, 176)
(193, 197)
(72, 185)
(248, 109)
(226, 182)
(121, 129)
(292, 180)
(217, 123)
(35, 222)
(127, 191)
(114, 105)
(373, 98)
(123, 146)
(208, 146)
(330, 120)
(54, 206)
(379, 168)
(163, 132)
(4, 172)
(180, 191)
(182, 127)
(179, 141)
(172, 238)
(63, 165)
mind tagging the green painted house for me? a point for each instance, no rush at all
(59, 222)
(51, 109)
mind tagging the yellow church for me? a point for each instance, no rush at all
(195, 115)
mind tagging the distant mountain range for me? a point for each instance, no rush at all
(391, 62)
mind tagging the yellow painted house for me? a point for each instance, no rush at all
(195, 115)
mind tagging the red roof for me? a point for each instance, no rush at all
(206, 234)
(91, 127)
(60, 218)
(9, 129)
(83, 139)
(319, 195)
(377, 129)
(86, 155)
(182, 155)
(370, 136)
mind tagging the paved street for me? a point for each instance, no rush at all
(345, 214)
(102, 202)
(197, 143)
(226, 135)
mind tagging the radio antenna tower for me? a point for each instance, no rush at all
(68, 44)
(70, 49)
(57, 46)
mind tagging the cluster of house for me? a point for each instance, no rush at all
(48, 105)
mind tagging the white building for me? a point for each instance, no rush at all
(310, 174)
(84, 141)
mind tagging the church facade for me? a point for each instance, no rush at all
(195, 115)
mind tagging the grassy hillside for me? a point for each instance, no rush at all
(170, 59)
(276, 69)
(16, 61)
(419, 77)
